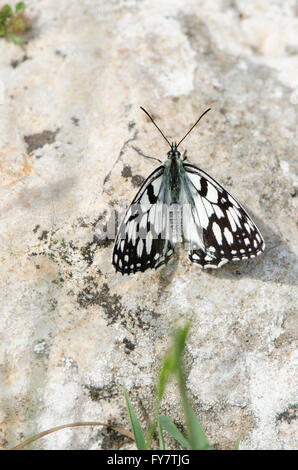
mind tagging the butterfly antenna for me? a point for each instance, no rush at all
(205, 112)
(155, 125)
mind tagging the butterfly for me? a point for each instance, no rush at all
(180, 203)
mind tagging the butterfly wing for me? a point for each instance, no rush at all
(220, 229)
(142, 240)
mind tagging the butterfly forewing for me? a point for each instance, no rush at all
(228, 231)
(143, 240)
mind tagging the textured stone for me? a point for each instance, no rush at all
(72, 147)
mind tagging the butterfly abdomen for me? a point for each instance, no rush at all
(176, 222)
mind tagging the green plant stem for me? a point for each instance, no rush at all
(183, 395)
(171, 365)
(166, 369)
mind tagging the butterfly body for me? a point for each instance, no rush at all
(173, 169)
(180, 203)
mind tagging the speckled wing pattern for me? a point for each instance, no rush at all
(142, 240)
(227, 233)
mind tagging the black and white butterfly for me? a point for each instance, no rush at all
(177, 203)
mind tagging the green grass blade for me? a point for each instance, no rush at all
(167, 368)
(135, 425)
(168, 425)
(160, 436)
(164, 376)
(238, 442)
(180, 340)
(196, 434)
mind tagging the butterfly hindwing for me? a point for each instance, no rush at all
(142, 240)
(226, 230)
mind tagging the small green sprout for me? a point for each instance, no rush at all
(13, 23)
(172, 365)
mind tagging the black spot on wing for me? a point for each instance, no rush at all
(204, 187)
(150, 193)
(133, 216)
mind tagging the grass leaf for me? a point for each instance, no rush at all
(196, 436)
(238, 442)
(160, 436)
(135, 425)
(167, 424)
(164, 375)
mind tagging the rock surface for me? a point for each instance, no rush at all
(71, 143)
